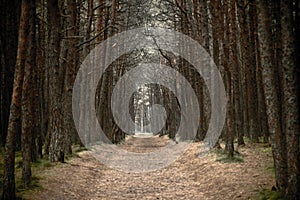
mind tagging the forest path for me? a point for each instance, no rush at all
(189, 177)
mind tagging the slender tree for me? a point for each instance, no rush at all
(28, 127)
(15, 109)
(55, 130)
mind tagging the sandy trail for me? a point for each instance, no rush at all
(189, 177)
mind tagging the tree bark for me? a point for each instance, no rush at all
(56, 148)
(271, 95)
(290, 101)
(69, 127)
(15, 109)
(9, 25)
(28, 125)
(249, 57)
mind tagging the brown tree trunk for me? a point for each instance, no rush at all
(56, 148)
(290, 101)
(243, 65)
(69, 127)
(259, 79)
(42, 79)
(249, 58)
(15, 109)
(229, 136)
(271, 95)
(9, 25)
(28, 127)
(233, 86)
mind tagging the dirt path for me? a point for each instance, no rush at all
(190, 177)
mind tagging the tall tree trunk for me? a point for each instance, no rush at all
(271, 95)
(244, 64)
(28, 125)
(249, 58)
(15, 109)
(69, 127)
(233, 89)
(56, 148)
(229, 136)
(9, 25)
(290, 101)
(259, 79)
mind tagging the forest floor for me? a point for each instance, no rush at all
(189, 177)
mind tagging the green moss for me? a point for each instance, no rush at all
(21, 190)
(77, 148)
(271, 168)
(246, 140)
(266, 149)
(18, 160)
(270, 195)
(34, 183)
(37, 166)
(218, 152)
(222, 156)
(41, 164)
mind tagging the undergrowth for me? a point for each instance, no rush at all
(266, 194)
(36, 167)
(222, 156)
